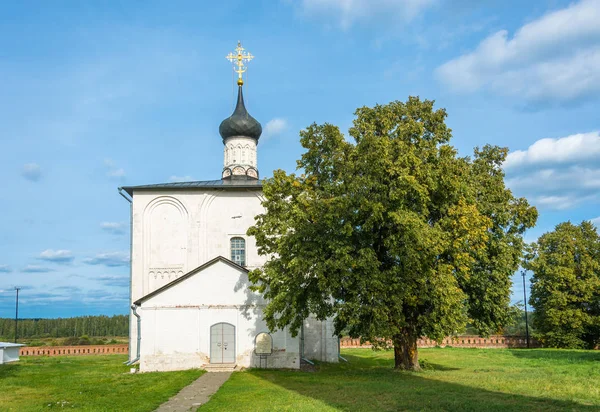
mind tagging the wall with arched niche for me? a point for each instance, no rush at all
(165, 241)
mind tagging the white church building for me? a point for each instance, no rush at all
(190, 256)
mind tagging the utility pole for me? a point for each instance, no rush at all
(525, 301)
(17, 314)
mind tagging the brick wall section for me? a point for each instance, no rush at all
(468, 341)
(74, 350)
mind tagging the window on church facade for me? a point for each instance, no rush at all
(238, 250)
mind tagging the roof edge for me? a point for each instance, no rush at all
(188, 275)
(224, 184)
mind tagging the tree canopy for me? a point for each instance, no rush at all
(565, 287)
(395, 236)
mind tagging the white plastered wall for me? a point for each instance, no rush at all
(9, 354)
(240, 151)
(176, 322)
(320, 343)
(202, 223)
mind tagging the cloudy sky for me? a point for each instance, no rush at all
(96, 95)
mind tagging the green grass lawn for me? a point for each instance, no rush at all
(87, 383)
(452, 380)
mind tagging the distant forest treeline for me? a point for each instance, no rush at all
(117, 325)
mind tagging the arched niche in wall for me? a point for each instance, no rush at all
(165, 233)
(230, 154)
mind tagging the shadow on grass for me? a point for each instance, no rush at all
(429, 366)
(569, 355)
(384, 363)
(375, 386)
(8, 369)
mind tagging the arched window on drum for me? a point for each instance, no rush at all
(238, 250)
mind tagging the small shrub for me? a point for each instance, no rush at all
(425, 365)
(71, 341)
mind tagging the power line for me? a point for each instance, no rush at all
(17, 314)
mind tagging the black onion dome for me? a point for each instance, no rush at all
(240, 123)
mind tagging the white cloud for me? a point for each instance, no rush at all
(553, 59)
(575, 148)
(32, 171)
(176, 179)
(57, 256)
(275, 126)
(36, 269)
(596, 222)
(118, 281)
(555, 202)
(115, 228)
(557, 173)
(5, 269)
(347, 12)
(114, 172)
(111, 259)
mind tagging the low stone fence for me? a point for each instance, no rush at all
(467, 341)
(74, 350)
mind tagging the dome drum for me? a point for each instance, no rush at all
(239, 172)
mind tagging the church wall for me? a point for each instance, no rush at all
(320, 343)
(175, 338)
(175, 232)
(217, 284)
(176, 323)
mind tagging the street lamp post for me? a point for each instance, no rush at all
(17, 314)
(525, 301)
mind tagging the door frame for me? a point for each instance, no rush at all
(211, 343)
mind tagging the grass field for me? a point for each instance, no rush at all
(453, 380)
(85, 383)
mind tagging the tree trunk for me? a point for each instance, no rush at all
(406, 356)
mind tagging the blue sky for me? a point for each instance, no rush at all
(96, 95)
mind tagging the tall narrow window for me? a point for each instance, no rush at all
(238, 250)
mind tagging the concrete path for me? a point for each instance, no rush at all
(195, 394)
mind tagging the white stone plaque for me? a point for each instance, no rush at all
(263, 344)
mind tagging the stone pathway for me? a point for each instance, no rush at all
(195, 394)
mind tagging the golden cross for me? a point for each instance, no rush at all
(239, 60)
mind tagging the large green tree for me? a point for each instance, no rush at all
(565, 288)
(394, 236)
